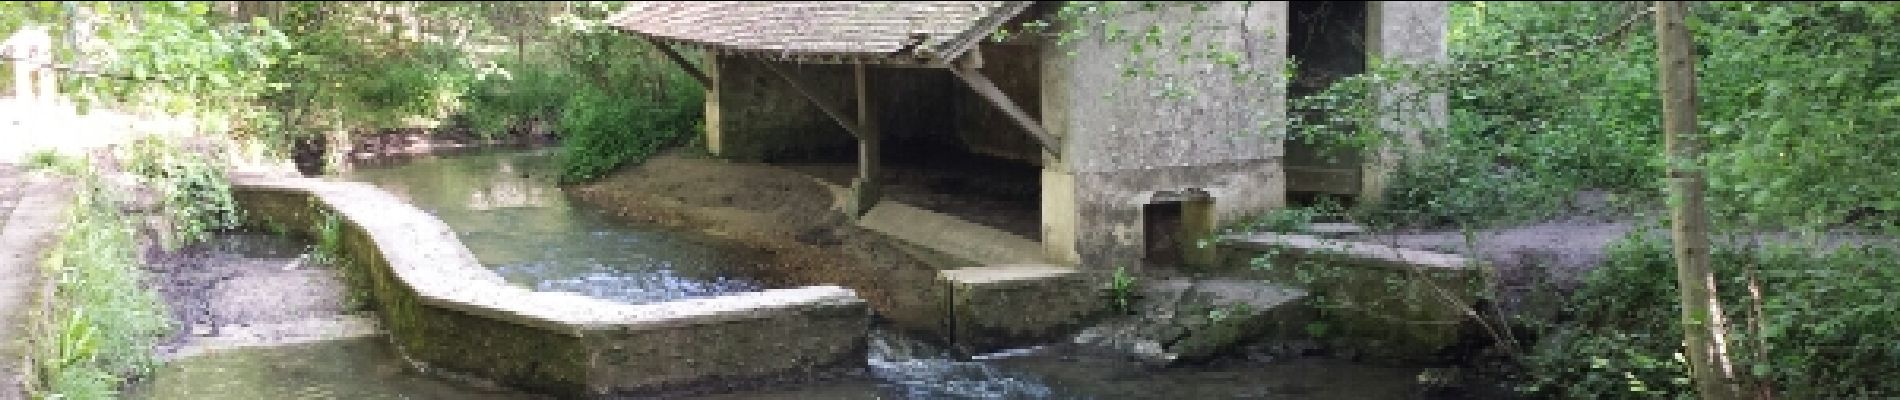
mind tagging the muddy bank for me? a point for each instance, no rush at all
(788, 217)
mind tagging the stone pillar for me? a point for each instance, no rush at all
(1060, 214)
(864, 190)
(1197, 228)
(1403, 32)
(32, 51)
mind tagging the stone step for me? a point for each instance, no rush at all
(977, 244)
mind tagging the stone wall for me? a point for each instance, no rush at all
(1385, 302)
(1124, 142)
(444, 310)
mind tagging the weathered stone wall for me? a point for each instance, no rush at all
(1385, 302)
(1123, 141)
(445, 310)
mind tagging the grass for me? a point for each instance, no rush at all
(98, 327)
(97, 324)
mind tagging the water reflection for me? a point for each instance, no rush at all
(505, 207)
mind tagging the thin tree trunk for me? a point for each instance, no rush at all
(1702, 325)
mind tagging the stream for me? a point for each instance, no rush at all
(506, 210)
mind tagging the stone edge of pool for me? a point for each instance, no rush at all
(445, 310)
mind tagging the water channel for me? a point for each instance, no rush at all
(506, 210)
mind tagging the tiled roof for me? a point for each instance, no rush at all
(840, 31)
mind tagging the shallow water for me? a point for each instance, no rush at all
(506, 208)
(519, 224)
(898, 368)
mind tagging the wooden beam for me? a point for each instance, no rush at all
(983, 87)
(691, 69)
(836, 113)
(866, 190)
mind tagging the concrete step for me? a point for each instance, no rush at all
(997, 306)
(979, 245)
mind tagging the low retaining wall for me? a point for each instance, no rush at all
(445, 310)
(1385, 302)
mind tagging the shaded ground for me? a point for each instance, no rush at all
(249, 289)
(958, 192)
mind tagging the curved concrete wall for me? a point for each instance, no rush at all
(444, 309)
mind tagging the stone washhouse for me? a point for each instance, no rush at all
(1116, 173)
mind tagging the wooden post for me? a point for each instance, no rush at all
(1702, 326)
(864, 190)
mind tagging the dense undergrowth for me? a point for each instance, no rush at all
(96, 329)
(1798, 101)
(1808, 321)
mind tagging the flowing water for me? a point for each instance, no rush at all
(514, 220)
(504, 207)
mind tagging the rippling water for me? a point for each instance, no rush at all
(506, 208)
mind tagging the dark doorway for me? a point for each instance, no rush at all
(1161, 235)
(1327, 42)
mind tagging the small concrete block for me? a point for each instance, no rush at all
(1008, 305)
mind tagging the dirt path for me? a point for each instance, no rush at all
(30, 212)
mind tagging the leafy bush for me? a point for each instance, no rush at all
(601, 133)
(1826, 324)
(194, 193)
(498, 103)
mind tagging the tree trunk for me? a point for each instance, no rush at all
(1702, 325)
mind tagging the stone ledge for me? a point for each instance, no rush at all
(1388, 303)
(1378, 254)
(426, 285)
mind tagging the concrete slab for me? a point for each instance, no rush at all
(27, 232)
(952, 236)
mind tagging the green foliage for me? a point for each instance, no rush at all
(1825, 320)
(1796, 100)
(52, 160)
(193, 191)
(499, 103)
(1121, 290)
(103, 322)
(180, 57)
(602, 132)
